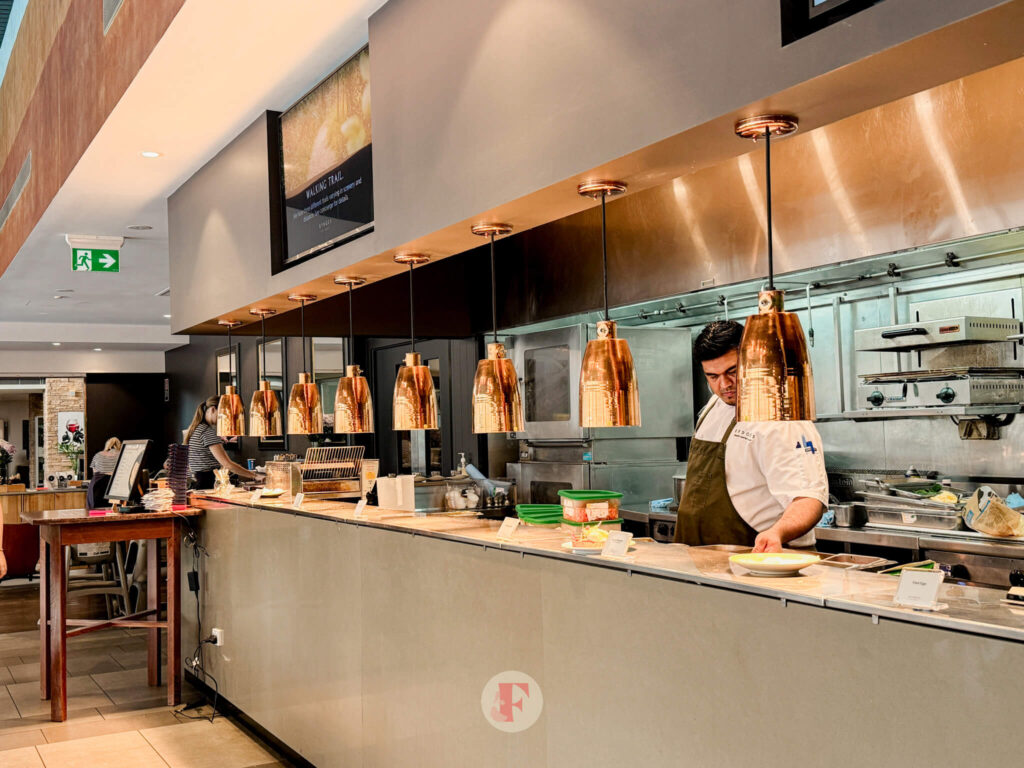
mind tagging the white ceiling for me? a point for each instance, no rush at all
(218, 66)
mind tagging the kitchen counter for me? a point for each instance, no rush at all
(370, 642)
(972, 610)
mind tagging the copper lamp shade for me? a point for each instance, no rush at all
(775, 379)
(774, 371)
(609, 395)
(415, 401)
(230, 411)
(497, 406)
(305, 413)
(353, 408)
(264, 412)
(230, 414)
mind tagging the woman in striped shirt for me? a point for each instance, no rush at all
(206, 450)
(104, 462)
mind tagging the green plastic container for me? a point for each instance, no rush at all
(540, 514)
(590, 495)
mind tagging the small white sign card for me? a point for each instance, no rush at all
(617, 544)
(256, 496)
(919, 588)
(508, 528)
(360, 510)
(297, 501)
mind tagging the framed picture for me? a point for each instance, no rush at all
(71, 428)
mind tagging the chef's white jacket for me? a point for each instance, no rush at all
(768, 464)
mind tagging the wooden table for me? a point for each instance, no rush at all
(60, 528)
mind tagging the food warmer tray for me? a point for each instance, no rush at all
(905, 502)
(903, 517)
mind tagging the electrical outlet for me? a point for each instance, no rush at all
(218, 636)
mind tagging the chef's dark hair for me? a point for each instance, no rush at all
(716, 339)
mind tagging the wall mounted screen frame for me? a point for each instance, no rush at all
(801, 18)
(324, 164)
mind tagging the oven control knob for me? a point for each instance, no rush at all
(946, 395)
(876, 398)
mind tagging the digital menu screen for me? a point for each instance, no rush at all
(801, 18)
(326, 158)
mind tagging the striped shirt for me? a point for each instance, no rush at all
(200, 457)
(104, 462)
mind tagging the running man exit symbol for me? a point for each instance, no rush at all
(95, 260)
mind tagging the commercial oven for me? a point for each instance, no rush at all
(557, 453)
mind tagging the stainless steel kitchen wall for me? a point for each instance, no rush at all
(990, 281)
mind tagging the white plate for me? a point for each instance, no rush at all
(587, 550)
(773, 563)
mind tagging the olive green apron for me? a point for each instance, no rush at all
(706, 514)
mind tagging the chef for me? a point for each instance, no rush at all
(759, 484)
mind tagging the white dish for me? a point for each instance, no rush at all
(587, 550)
(773, 563)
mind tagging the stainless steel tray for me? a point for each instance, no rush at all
(911, 502)
(914, 518)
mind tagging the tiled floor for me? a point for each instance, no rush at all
(115, 720)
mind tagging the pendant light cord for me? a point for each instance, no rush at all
(604, 252)
(231, 359)
(261, 359)
(302, 324)
(412, 327)
(768, 204)
(351, 330)
(494, 293)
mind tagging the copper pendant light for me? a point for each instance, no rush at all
(609, 394)
(775, 379)
(497, 406)
(353, 407)
(265, 408)
(230, 411)
(305, 412)
(415, 402)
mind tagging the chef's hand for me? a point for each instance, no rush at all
(3, 565)
(768, 541)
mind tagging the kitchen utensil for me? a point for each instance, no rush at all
(848, 515)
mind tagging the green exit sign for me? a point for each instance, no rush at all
(95, 260)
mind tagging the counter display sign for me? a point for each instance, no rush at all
(326, 156)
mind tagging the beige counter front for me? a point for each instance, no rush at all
(369, 643)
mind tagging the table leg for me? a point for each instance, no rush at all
(174, 615)
(58, 590)
(153, 603)
(44, 616)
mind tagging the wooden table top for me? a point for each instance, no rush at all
(76, 516)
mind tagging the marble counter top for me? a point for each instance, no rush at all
(970, 609)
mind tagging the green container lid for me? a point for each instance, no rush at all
(545, 514)
(536, 509)
(590, 495)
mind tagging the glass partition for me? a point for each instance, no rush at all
(328, 367)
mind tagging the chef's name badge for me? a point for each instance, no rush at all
(743, 434)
